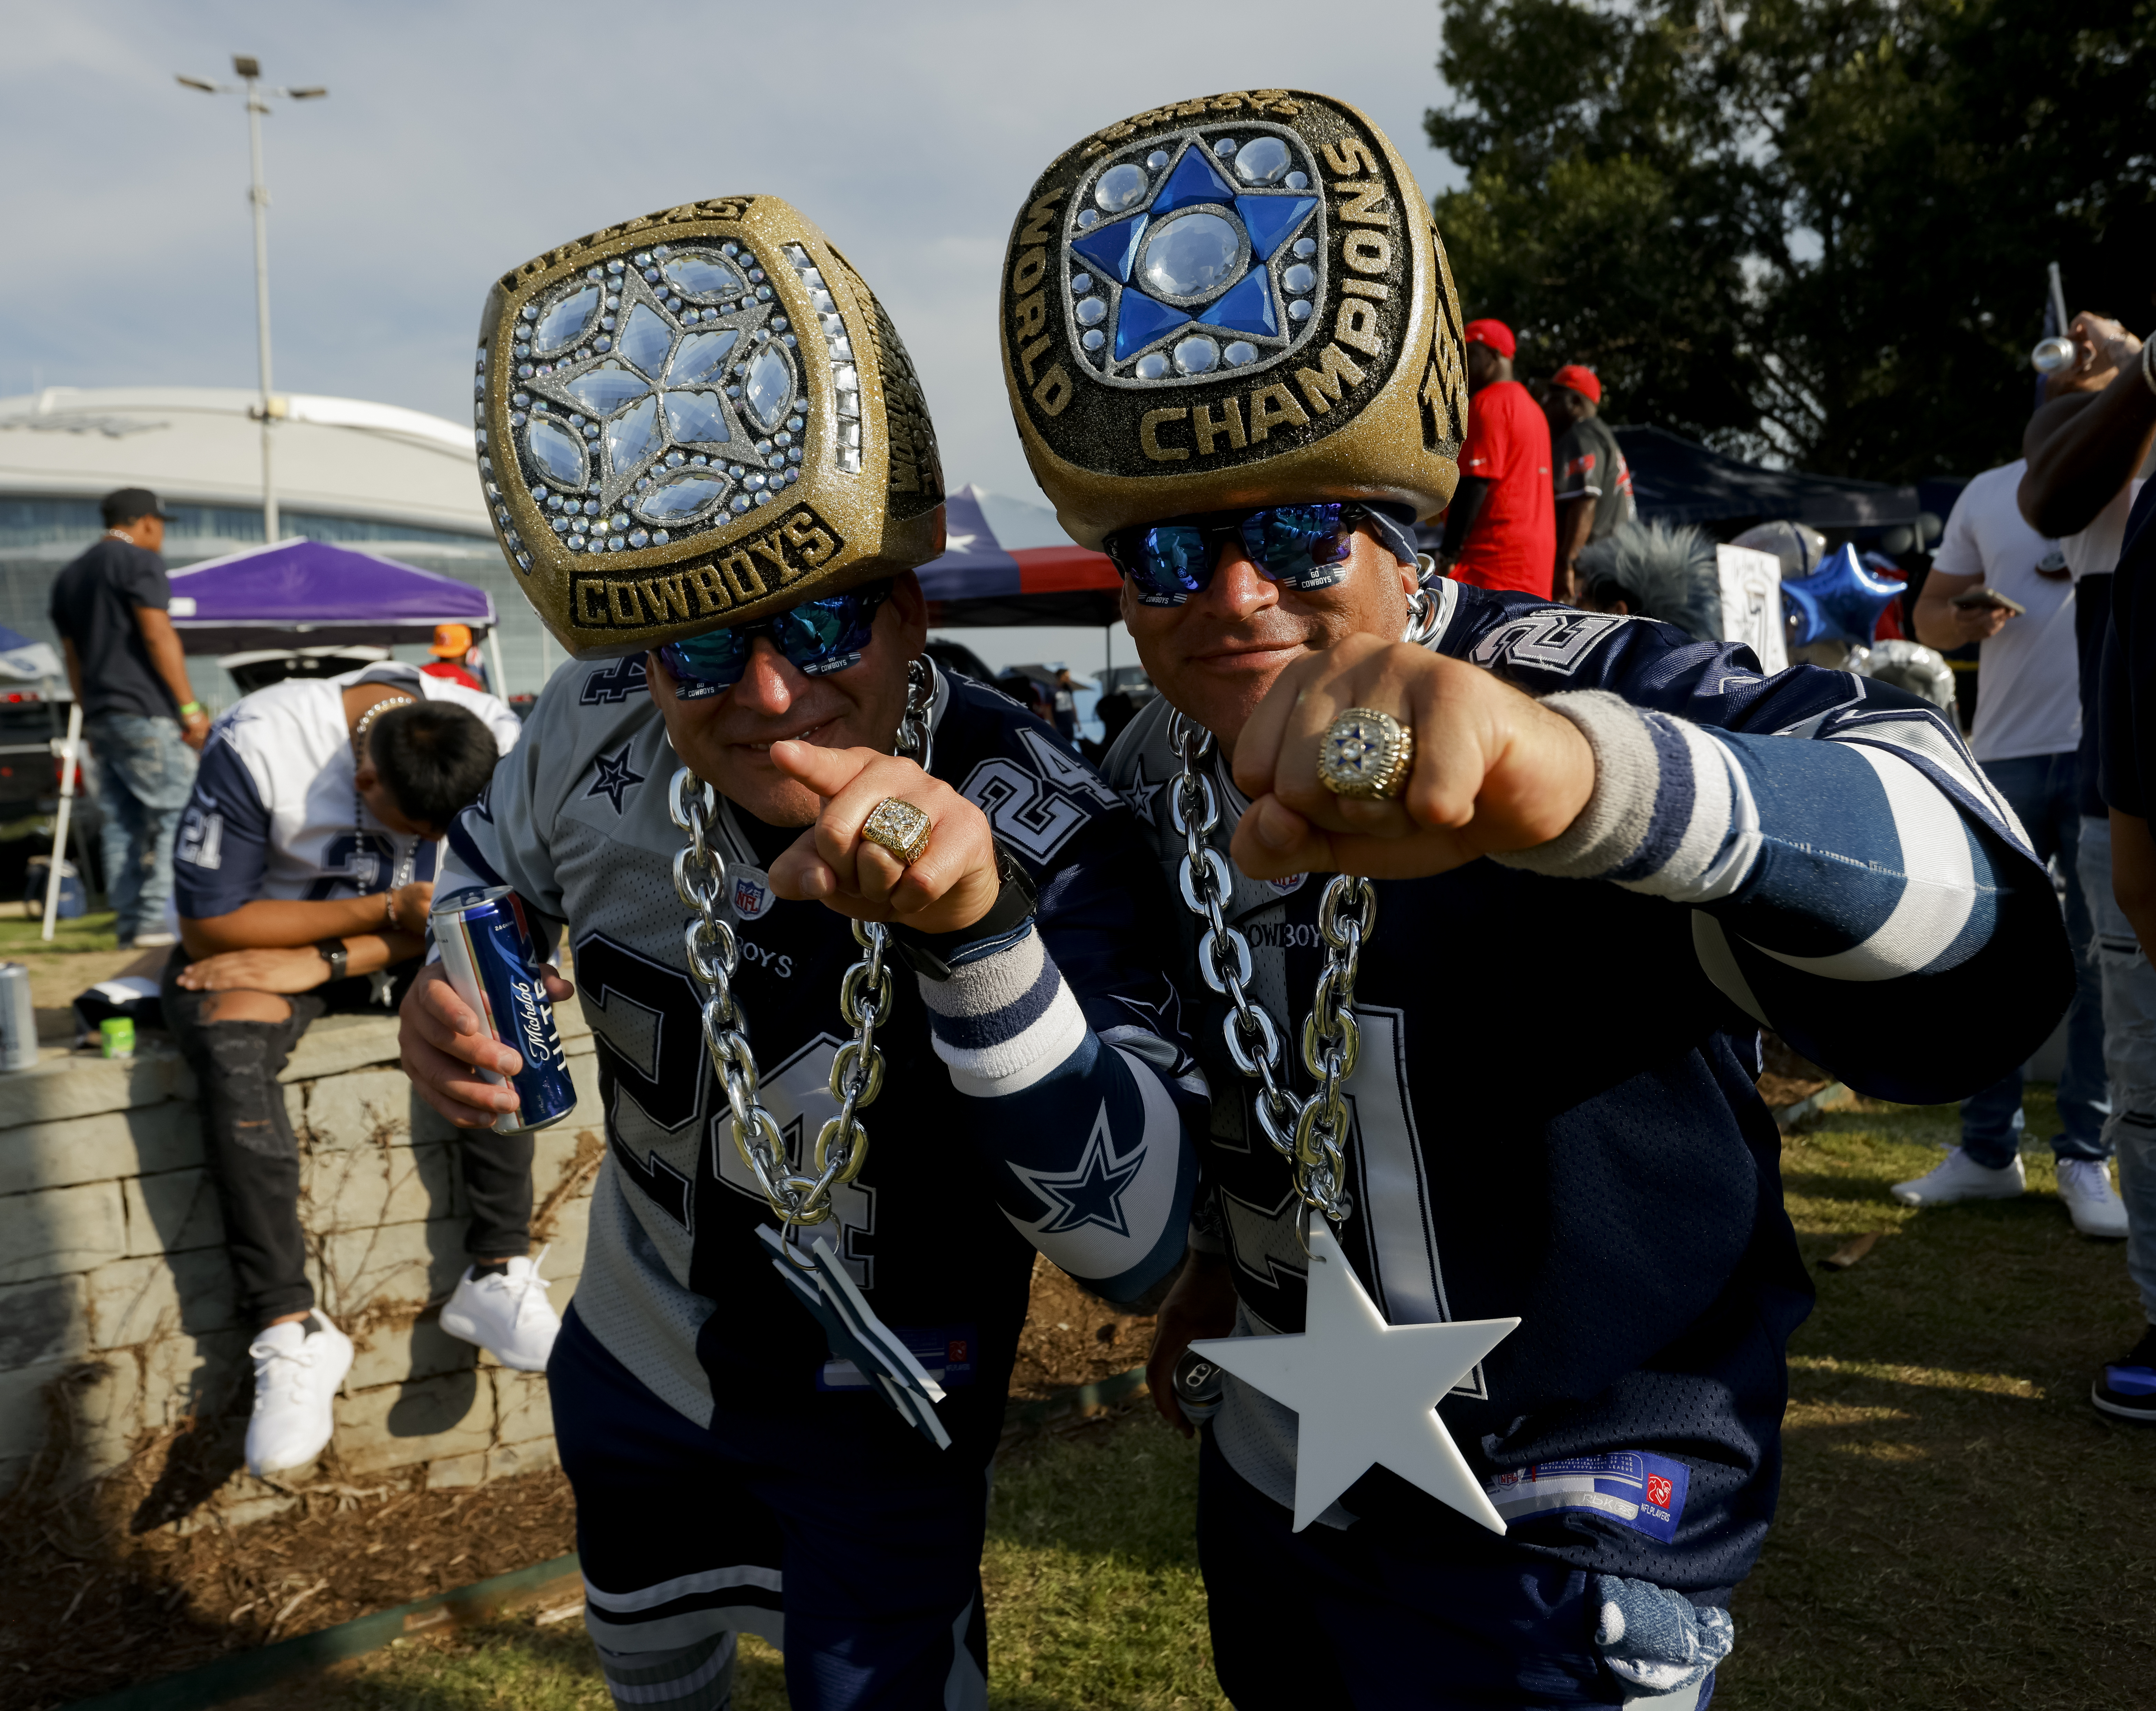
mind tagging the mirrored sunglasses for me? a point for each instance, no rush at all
(817, 637)
(1298, 546)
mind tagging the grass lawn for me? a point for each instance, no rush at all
(1958, 1528)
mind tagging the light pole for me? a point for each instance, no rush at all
(250, 73)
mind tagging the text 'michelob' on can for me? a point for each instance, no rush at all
(492, 962)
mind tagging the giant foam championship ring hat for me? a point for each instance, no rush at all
(1232, 301)
(696, 418)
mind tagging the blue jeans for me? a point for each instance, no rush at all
(2040, 789)
(144, 772)
(2130, 1053)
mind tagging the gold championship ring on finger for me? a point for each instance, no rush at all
(898, 827)
(1365, 754)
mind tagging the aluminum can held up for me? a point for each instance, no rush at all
(492, 962)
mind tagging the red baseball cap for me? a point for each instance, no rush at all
(1578, 380)
(1493, 333)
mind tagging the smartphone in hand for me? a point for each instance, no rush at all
(1980, 596)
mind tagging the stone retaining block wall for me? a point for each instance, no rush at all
(116, 1300)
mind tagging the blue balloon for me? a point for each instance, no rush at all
(1840, 602)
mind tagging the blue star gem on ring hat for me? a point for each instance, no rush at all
(1201, 266)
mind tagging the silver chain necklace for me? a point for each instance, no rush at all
(402, 861)
(865, 998)
(1311, 1133)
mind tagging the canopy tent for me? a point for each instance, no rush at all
(1680, 481)
(979, 583)
(266, 595)
(22, 661)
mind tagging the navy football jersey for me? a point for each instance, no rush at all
(1033, 1101)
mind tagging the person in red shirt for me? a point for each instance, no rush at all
(1500, 529)
(456, 657)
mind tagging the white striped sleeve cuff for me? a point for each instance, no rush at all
(1004, 1021)
(1672, 814)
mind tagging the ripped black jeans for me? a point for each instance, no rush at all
(254, 1158)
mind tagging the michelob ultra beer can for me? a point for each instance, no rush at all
(492, 962)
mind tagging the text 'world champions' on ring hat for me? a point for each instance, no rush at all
(695, 419)
(1229, 301)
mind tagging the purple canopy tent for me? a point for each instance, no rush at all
(266, 596)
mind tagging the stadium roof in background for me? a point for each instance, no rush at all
(1680, 481)
(203, 446)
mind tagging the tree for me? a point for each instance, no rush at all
(1817, 228)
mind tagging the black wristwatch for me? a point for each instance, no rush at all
(933, 955)
(332, 951)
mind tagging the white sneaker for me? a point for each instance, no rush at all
(2096, 1210)
(297, 1371)
(510, 1316)
(1962, 1178)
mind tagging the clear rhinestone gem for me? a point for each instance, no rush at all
(1225, 147)
(637, 537)
(1094, 339)
(647, 338)
(632, 434)
(1197, 355)
(1088, 216)
(1153, 366)
(1157, 159)
(603, 391)
(1121, 187)
(770, 387)
(1080, 284)
(1091, 312)
(694, 275)
(1299, 310)
(1263, 160)
(1301, 277)
(1298, 180)
(696, 418)
(557, 451)
(1306, 248)
(701, 357)
(1191, 257)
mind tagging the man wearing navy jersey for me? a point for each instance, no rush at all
(304, 862)
(735, 1469)
(1687, 848)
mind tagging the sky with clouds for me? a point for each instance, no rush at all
(460, 139)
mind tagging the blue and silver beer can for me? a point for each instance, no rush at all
(492, 962)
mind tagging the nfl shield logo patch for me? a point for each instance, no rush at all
(752, 894)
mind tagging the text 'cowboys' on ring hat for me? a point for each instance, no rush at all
(1227, 301)
(695, 419)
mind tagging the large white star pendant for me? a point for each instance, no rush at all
(1365, 1393)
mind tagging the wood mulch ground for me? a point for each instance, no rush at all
(103, 1588)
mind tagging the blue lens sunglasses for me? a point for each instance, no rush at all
(1300, 546)
(818, 636)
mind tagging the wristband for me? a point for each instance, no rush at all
(189, 708)
(334, 953)
(933, 955)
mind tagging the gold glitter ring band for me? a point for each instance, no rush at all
(898, 827)
(1366, 755)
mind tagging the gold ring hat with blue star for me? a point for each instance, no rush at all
(695, 419)
(1235, 300)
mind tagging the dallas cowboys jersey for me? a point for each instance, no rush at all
(275, 813)
(1553, 1112)
(1034, 1100)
